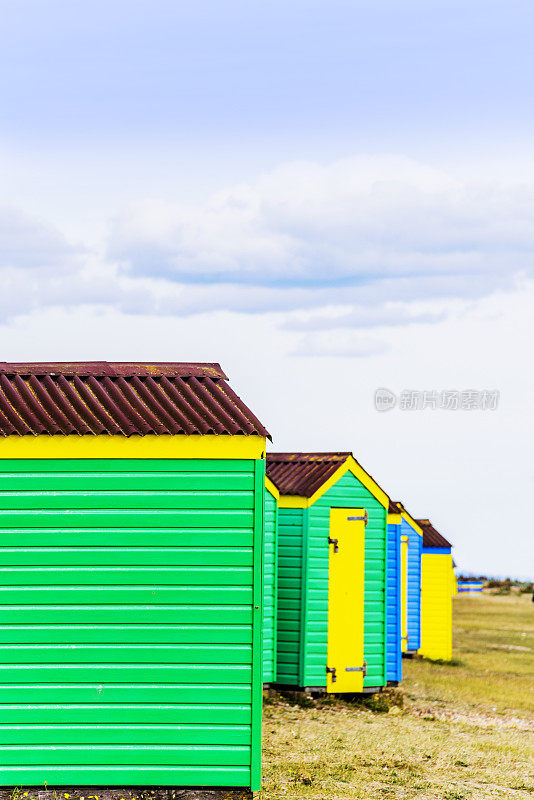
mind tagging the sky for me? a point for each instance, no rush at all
(326, 198)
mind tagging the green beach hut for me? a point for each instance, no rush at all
(131, 527)
(331, 573)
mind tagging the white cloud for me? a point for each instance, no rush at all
(358, 223)
(362, 241)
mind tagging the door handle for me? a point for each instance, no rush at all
(335, 543)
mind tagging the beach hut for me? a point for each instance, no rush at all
(394, 596)
(403, 593)
(436, 594)
(131, 524)
(331, 573)
(470, 585)
(270, 581)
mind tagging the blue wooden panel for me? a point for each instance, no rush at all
(415, 544)
(393, 604)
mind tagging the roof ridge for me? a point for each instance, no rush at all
(116, 368)
(308, 456)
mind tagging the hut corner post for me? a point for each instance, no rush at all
(257, 602)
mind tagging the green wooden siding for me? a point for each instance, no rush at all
(290, 553)
(130, 622)
(269, 588)
(303, 549)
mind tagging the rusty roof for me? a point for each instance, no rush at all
(432, 537)
(101, 397)
(302, 473)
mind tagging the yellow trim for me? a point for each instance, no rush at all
(150, 446)
(292, 501)
(349, 465)
(394, 519)
(269, 485)
(411, 522)
(404, 593)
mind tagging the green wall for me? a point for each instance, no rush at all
(303, 586)
(270, 580)
(130, 594)
(290, 554)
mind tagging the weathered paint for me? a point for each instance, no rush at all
(303, 558)
(436, 604)
(130, 621)
(270, 583)
(393, 600)
(346, 601)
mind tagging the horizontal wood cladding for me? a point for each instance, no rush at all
(270, 580)
(126, 621)
(393, 605)
(415, 544)
(290, 554)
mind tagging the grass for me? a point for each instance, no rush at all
(463, 730)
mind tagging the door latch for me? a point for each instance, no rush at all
(332, 671)
(335, 543)
(364, 518)
(358, 669)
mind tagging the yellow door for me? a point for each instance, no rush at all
(346, 667)
(404, 593)
(436, 606)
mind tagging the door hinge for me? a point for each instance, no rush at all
(358, 669)
(364, 518)
(335, 543)
(332, 671)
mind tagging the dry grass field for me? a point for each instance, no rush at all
(464, 730)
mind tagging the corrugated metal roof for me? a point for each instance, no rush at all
(302, 473)
(431, 537)
(121, 398)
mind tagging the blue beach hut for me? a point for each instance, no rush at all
(403, 591)
(393, 596)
